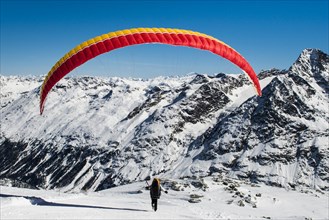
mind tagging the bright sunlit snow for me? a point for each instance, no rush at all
(236, 200)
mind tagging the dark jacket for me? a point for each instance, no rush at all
(155, 189)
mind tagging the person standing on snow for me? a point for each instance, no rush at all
(155, 192)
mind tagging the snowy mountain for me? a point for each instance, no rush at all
(96, 133)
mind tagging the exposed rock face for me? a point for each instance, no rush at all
(97, 133)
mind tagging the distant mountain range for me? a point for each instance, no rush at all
(97, 133)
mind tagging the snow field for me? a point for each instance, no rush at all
(223, 199)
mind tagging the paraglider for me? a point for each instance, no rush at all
(118, 39)
(155, 192)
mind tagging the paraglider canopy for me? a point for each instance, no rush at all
(118, 39)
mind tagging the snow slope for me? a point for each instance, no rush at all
(222, 199)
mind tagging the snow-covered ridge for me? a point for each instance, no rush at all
(96, 133)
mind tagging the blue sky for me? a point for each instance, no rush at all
(36, 34)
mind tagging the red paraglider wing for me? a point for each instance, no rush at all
(114, 40)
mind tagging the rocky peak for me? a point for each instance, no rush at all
(314, 65)
(310, 61)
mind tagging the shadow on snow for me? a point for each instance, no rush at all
(41, 202)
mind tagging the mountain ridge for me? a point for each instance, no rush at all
(98, 133)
